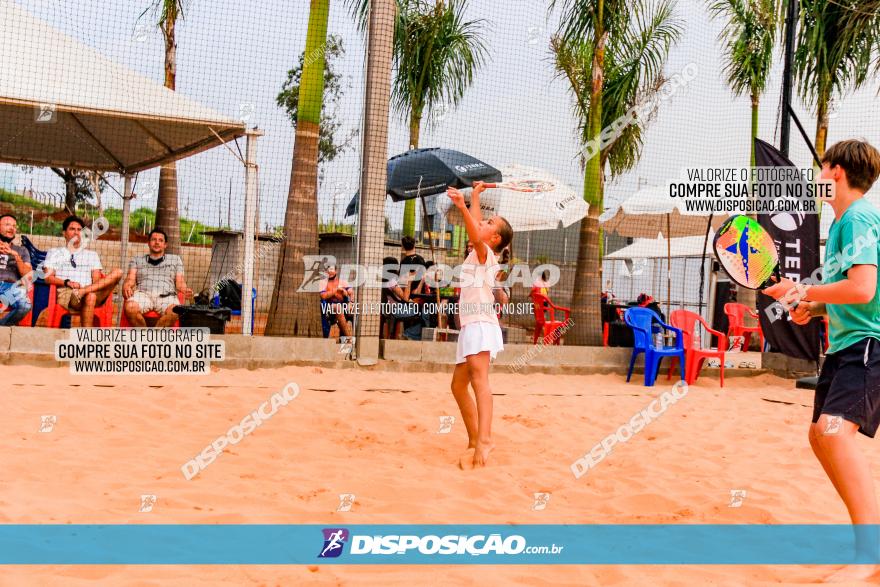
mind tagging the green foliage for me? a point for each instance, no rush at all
(333, 227)
(436, 55)
(635, 54)
(165, 11)
(138, 219)
(835, 45)
(436, 52)
(18, 200)
(330, 145)
(748, 35)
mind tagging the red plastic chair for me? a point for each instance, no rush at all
(103, 314)
(694, 354)
(546, 323)
(736, 316)
(151, 315)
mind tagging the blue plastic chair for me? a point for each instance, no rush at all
(216, 301)
(642, 320)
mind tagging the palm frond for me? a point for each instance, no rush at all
(748, 37)
(437, 53)
(835, 48)
(634, 60)
(165, 10)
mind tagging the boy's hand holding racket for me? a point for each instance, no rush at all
(780, 290)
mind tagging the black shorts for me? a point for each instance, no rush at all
(849, 386)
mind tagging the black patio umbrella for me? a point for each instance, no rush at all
(425, 172)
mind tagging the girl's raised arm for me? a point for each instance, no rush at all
(471, 224)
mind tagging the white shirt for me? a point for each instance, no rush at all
(86, 261)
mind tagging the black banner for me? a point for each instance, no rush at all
(797, 240)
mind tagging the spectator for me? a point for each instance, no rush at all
(153, 283)
(541, 284)
(78, 275)
(15, 263)
(410, 260)
(646, 301)
(501, 291)
(451, 308)
(396, 296)
(336, 293)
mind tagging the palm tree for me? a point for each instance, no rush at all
(836, 41)
(167, 213)
(612, 54)
(748, 35)
(298, 314)
(436, 55)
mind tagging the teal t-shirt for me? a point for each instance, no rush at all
(854, 239)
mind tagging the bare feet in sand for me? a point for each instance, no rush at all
(481, 454)
(852, 573)
(466, 460)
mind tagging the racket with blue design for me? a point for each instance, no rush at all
(747, 252)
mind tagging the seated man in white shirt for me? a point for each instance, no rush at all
(77, 273)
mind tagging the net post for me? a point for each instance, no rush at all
(248, 230)
(371, 214)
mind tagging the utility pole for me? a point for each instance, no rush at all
(787, 75)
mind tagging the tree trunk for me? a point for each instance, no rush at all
(296, 313)
(821, 126)
(409, 209)
(586, 311)
(747, 296)
(167, 206)
(167, 215)
(69, 191)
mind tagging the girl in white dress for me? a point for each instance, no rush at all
(479, 340)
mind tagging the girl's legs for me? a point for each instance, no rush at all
(478, 368)
(465, 402)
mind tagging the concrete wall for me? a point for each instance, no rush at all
(37, 346)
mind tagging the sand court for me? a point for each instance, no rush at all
(382, 438)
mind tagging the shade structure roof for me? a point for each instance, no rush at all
(648, 212)
(64, 104)
(649, 248)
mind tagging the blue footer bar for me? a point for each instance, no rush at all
(148, 544)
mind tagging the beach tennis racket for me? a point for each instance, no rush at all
(747, 252)
(526, 185)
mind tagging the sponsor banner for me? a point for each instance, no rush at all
(797, 239)
(436, 544)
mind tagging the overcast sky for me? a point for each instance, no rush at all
(233, 56)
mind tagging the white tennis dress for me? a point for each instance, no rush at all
(480, 331)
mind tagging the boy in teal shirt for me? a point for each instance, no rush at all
(848, 391)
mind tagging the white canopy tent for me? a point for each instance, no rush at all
(651, 212)
(64, 104)
(639, 267)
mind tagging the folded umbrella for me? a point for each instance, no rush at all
(425, 172)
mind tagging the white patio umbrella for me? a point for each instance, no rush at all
(650, 213)
(526, 211)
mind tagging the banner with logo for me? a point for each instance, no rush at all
(436, 544)
(797, 240)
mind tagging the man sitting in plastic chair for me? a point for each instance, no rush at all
(77, 274)
(14, 264)
(154, 283)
